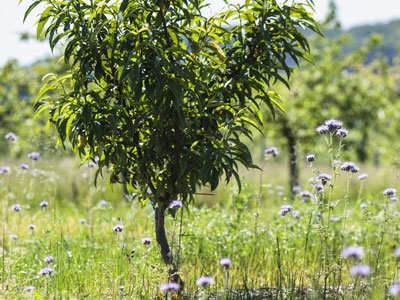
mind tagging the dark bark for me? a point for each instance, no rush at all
(293, 168)
(162, 241)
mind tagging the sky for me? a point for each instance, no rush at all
(351, 13)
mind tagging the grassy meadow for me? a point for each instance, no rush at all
(51, 208)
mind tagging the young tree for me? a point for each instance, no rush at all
(163, 94)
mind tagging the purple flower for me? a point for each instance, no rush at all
(336, 162)
(285, 209)
(320, 188)
(394, 199)
(103, 203)
(31, 226)
(170, 286)
(11, 136)
(349, 166)
(176, 204)
(4, 170)
(279, 188)
(389, 192)
(48, 259)
(295, 213)
(323, 129)
(16, 207)
(360, 270)
(333, 124)
(395, 290)
(310, 157)
(306, 194)
(362, 176)
(353, 251)
(24, 166)
(34, 155)
(146, 241)
(272, 150)
(334, 219)
(342, 132)
(363, 206)
(121, 288)
(90, 164)
(82, 221)
(225, 262)
(397, 252)
(118, 228)
(297, 189)
(43, 204)
(204, 281)
(96, 159)
(13, 236)
(29, 288)
(46, 271)
(324, 178)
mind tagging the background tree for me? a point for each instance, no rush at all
(162, 94)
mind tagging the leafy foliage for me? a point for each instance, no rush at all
(162, 94)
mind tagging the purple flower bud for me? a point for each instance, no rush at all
(44, 204)
(82, 221)
(353, 251)
(310, 157)
(4, 170)
(360, 270)
(333, 124)
(146, 241)
(362, 176)
(297, 189)
(103, 203)
(225, 262)
(334, 219)
(324, 178)
(118, 228)
(397, 252)
(295, 213)
(306, 194)
(13, 236)
(29, 288)
(349, 166)
(46, 271)
(11, 136)
(31, 226)
(121, 288)
(176, 204)
(363, 206)
(48, 259)
(342, 132)
(90, 164)
(34, 155)
(389, 192)
(272, 150)
(170, 286)
(16, 207)
(24, 166)
(204, 281)
(323, 129)
(395, 290)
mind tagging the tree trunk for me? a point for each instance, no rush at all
(162, 241)
(293, 168)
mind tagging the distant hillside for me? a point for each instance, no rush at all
(390, 46)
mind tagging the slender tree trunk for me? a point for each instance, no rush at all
(162, 241)
(293, 168)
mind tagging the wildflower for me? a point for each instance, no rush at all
(16, 207)
(48, 259)
(34, 155)
(46, 271)
(334, 219)
(121, 288)
(285, 209)
(320, 188)
(24, 166)
(31, 226)
(336, 162)
(82, 221)
(170, 286)
(324, 178)
(296, 189)
(118, 228)
(395, 290)
(349, 166)
(397, 252)
(204, 281)
(394, 199)
(225, 262)
(389, 192)
(313, 180)
(90, 164)
(11, 136)
(96, 159)
(306, 194)
(176, 204)
(353, 251)
(360, 270)
(333, 124)
(13, 236)
(4, 170)
(146, 241)
(272, 150)
(342, 132)
(362, 176)
(318, 214)
(295, 213)
(103, 203)
(363, 206)
(310, 157)
(323, 129)
(29, 288)
(43, 204)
